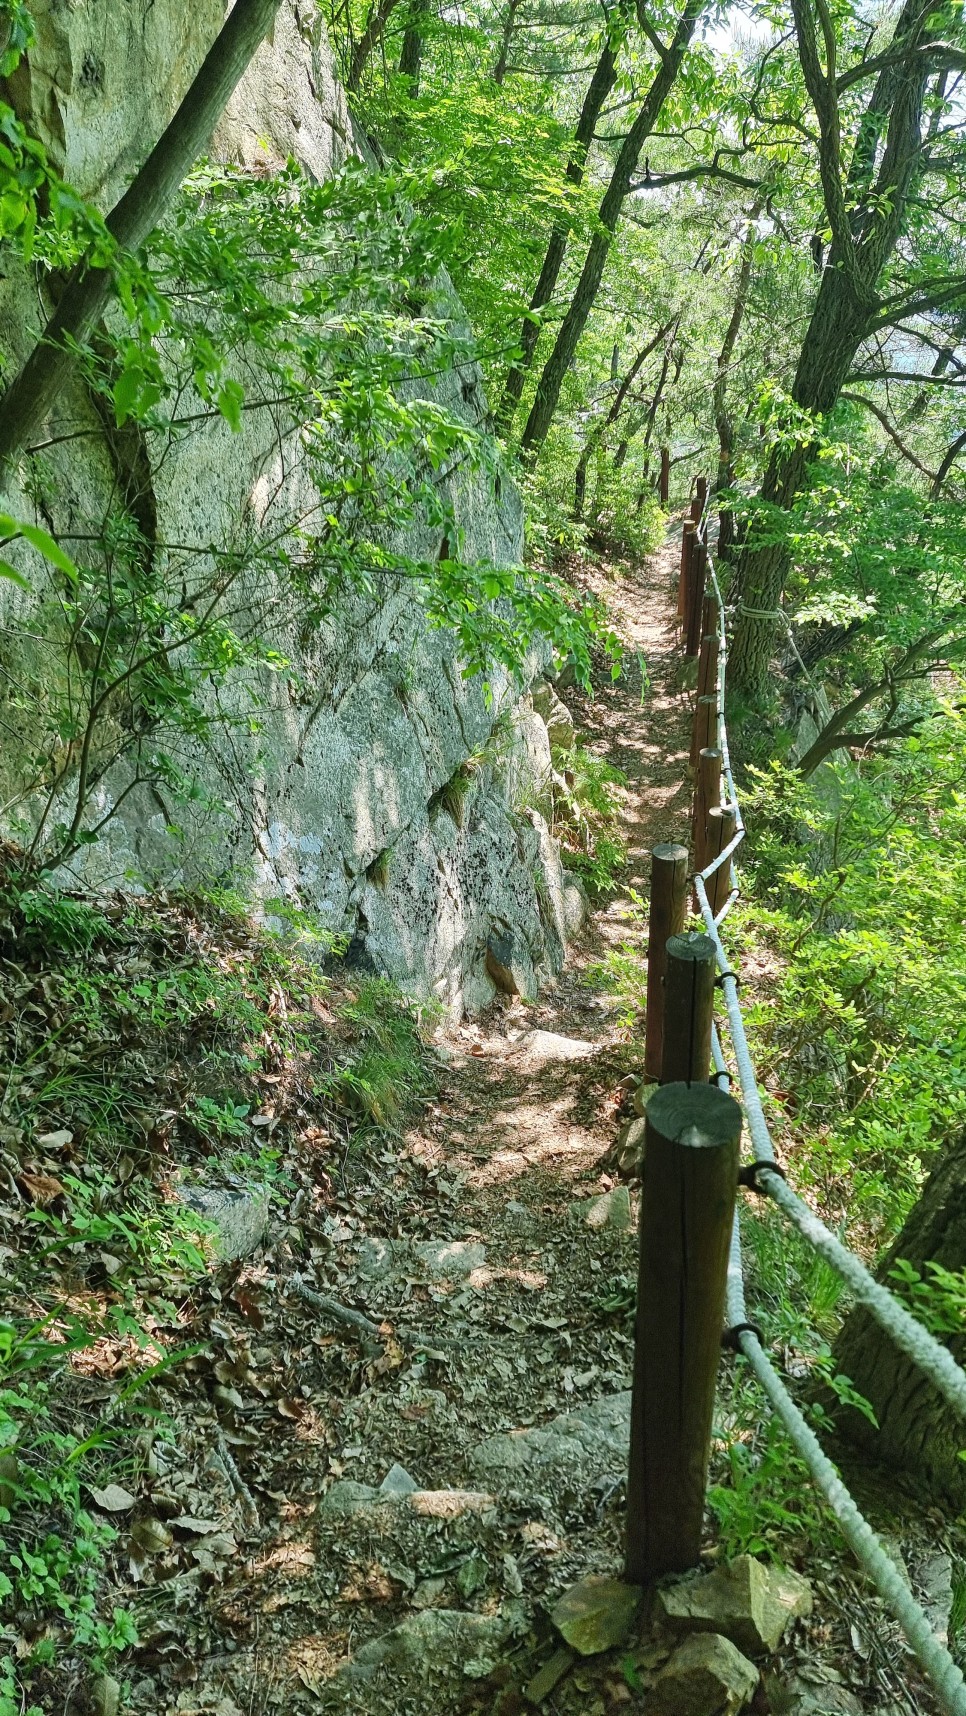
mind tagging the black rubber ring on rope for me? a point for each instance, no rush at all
(720, 979)
(716, 1077)
(748, 1175)
(730, 1341)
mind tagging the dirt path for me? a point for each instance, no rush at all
(509, 1295)
(387, 1520)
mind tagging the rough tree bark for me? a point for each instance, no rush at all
(46, 372)
(918, 1433)
(585, 293)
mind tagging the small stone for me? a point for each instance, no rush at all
(706, 1676)
(596, 1613)
(642, 1095)
(751, 1604)
(549, 1676)
(397, 1482)
(450, 1257)
(629, 1148)
(610, 1210)
(432, 1641)
(346, 1496)
(793, 1695)
(556, 1459)
(575, 903)
(239, 1217)
(429, 1593)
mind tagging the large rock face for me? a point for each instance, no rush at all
(384, 793)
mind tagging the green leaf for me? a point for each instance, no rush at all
(15, 577)
(230, 399)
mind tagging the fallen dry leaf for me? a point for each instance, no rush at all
(113, 1499)
(43, 1189)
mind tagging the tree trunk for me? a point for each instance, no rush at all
(600, 86)
(837, 328)
(585, 294)
(368, 42)
(918, 1432)
(722, 416)
(866, 215)
(46, 372)
(509, 24)
(411, 57)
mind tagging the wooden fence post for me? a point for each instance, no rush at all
(709, 615)
(694, 598)
(707, 797)
(688, 538)
(688, 1009)
(665, 488)
(704, 730)
(708, 664)
(700, 496)
(687, 1207)
(721, 831)
(668, 908)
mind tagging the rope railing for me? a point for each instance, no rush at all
(932, 1358)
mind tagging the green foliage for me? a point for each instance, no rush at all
(863, 1025)
(385, 1068)
(51, 1547)
(936, 1295)
(586, 820)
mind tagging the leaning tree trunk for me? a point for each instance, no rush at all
(918, 1432)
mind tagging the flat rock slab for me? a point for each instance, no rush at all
(794, 1695)
(611, 1210)
(422, 1260)
(429, 1645)
(578, 1447)
(749, 1603)
(542, 1048)
(596, 1614)
(348, 1497)
(706, 1676)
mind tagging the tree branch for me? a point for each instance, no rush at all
(860, 399)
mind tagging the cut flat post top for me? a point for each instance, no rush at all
(668, 908)
(687, 1205)
(688, 1009)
